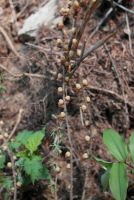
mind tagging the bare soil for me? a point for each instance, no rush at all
(110, 74)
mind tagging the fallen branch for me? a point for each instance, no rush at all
(117, 96)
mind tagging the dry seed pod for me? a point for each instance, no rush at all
(59, 77)
(19, 184)
(67, 98)
(6, 135)
(58, 170)
(14, 158)
(60, 90)
(61, 102)
(62, 59)
(78, 52)
(12, 189)
(62, 115)
(69, 4)
(1, 137)
(85, 156)
(60, 24)
(64, 32)
(68, 166)
(84, 82)
(78, 86)
(68, 187)
(1, 123)
(66, 48)
(4, 148)
(9, 165)
(71, 54)
(67, 79)
(83, 3)
(60, 151)
(87, 138)
(87, 123)
(59, 43)
(66, 64)
(73, 31)
(66, 11)
(75, 42)
(62, 11)
(68, 154)
(76, 75)
(88, 99)
(83, 108)
(76, 5)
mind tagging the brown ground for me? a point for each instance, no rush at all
(111, 89)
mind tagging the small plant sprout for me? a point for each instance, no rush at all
(88, 100)
(87, 123)
(12, 140)
(6, 135)
(9, 165)
(58, 170)
(61, 102)
(85, 156)
(60, 90)
(1, 137)
(68, 154)
(84, 82)
(87, 138)
(83, 108)
(78, 87)
(68, 166)
(68, 98)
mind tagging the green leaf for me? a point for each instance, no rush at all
(14, 145)
(22, 154)
(44, 173)
(105, 179)
(131, 147)
(103, 162)
(118, 181)
(115, 144)
(24, 136)
(34, 141)
(2, 160)
(32, 167)
(132, 171)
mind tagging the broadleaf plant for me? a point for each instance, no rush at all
(28, 162)
(115, 175)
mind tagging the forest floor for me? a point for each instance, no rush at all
(109, 71)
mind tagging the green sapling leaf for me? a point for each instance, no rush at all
(2, 160)
(118, 181)
(116, 145)
(105, 179)
(23, 136)
(131, 147)
(34, 141)
(32, 167)
(103, 162)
